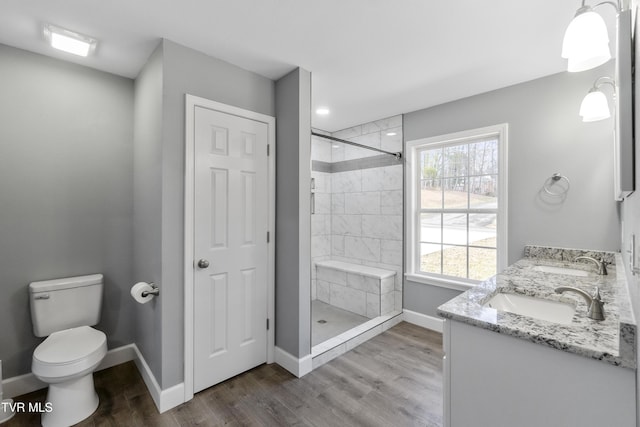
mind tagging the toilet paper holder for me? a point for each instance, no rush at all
(155, 291)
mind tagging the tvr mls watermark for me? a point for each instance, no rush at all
(26, 407)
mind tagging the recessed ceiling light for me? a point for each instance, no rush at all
(322, 111)
(69, 41)
(391, 134)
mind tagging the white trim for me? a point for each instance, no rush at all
(298, 367)
(191, 102)
(163, 399)
(411, 198)
(423, 320)
(433, 281)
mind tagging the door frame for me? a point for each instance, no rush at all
(191, 102)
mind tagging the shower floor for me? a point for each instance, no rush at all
(337, 321)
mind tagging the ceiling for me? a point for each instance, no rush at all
(369, 59)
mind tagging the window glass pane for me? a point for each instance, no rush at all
(430, 258)
(483, 192)
(482, 263)
(455, 193)
(430, 227)
(454, 261)
(431, 194)
(483, 157)
(454, 161)
(482, 230)
(454, 229)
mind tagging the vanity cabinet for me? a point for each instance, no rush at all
(492, 379)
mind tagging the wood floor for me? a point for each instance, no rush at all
(394, 379)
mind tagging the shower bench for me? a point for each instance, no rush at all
(367, 291)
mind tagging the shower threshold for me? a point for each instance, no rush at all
(340, 344)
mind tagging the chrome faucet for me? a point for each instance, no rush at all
(602, 266)
(595, 303)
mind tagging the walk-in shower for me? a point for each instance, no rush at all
(356, 226)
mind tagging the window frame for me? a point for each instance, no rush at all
(413, 208)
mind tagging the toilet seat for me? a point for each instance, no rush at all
(68, 353)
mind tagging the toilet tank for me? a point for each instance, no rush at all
(65, 303)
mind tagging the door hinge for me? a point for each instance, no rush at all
(268, 236)
(267, 324)
(268, 149)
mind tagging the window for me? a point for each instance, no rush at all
(456, 207)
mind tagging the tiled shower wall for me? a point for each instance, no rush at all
(358, 199)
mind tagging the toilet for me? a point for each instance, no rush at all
(63, 310)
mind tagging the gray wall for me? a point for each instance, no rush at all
(293, 216)
(546, 135)
(66, 194)
(147, 191)
(180, 70)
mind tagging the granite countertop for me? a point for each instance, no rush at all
(611, 340)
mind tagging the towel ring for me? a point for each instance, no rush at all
(554, 179)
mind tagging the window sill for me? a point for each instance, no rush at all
(441, 283)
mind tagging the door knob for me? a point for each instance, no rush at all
(203, 263)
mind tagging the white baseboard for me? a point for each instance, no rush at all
(423, 320)
(164, 399)
(27, 383)
(298, 367)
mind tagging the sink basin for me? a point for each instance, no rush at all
(560, 270)
(538, 308)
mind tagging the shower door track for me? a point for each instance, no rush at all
(397, 155)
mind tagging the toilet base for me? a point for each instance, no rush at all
(70, 402)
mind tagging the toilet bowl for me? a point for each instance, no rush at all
(63, 310)
(66, 361)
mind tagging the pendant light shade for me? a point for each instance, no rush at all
(586, 41)
(594, 107)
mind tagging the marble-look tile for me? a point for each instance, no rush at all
(348, 299)
(346, 225)
(353, 153)
(346, 182)
(321, 245)
(337, 245)
(363, 337)
(382, 179)
(362, 248)
(322, 182)
(320, 149)
(387, 302)
(382, 226)
(314, 288)
(323, 291)
(328, 356)
(398, 300)
(362, 203)
(391, 202)
(383, 124)
(364, 283)
(387, 285)
(320, 224)
(337, 203)
(393, 321)
(331, 275)
(391, 251)
(348, 133)
(391, 143)
(322, 203)
(373, 305)
(337, 152)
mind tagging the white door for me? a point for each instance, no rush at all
(231, 219)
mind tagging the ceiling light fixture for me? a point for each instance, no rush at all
(322, 111)
(69, 41)
(586, 41)
(595, 106)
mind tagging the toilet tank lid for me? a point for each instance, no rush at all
(65, 283)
